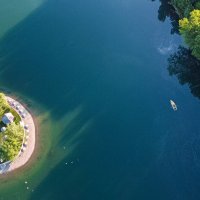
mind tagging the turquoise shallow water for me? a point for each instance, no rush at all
(95, 75)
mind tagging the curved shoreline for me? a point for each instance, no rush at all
(30, 136)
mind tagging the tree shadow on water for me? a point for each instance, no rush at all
(166, 10)
(182, 63)
(186, 68)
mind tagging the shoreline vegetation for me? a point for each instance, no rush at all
(27, 147)
(11, 131)
(184, 62)
(185, 17)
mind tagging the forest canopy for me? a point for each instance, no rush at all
(190, 29)
(185, 20)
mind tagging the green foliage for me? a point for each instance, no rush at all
(183, 7)
(15, 114)
(190, 29)
(5, 107)
(3, 104)
(11, 144)
(197, 5)
(10, 140)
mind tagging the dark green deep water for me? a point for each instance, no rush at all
(92, 74)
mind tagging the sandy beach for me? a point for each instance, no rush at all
(29, 137)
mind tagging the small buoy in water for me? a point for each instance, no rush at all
(26, 182)
(66, 163)
(72, 162)
(27, 188)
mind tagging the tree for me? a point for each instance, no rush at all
(11, 139)
(3, 103)
(183, 7)
(11, 145)
(190, 29)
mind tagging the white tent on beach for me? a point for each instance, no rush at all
(8, 118)
(3, 129)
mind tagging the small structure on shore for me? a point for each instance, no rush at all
(8, 118)
(21, 123)
(3, 129)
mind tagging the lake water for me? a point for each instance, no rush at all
(94, 73)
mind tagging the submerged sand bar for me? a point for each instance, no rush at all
(29, 137)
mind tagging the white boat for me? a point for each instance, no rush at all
(174, 106)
